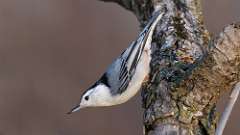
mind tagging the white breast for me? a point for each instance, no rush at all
(142, 70)
(102, 96)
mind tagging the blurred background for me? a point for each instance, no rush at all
(52, 50)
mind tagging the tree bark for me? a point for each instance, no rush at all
(189, 69)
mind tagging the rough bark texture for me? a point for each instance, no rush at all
(189, 70)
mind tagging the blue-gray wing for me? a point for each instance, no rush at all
(131, 56)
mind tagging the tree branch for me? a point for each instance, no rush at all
(189, 108)
(143, 9)
(189, 71)
(226, 114)
(124, 3)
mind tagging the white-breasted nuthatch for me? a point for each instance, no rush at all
(124, 77)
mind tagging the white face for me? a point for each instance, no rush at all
(97, 96)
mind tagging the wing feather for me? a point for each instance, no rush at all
(129, 64)
(130, 58)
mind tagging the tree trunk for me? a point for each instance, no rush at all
(189, 70)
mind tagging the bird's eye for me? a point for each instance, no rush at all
(86, 98)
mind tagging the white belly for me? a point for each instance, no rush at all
(142, 70)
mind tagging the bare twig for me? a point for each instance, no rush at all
(225, 116)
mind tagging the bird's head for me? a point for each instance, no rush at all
(97, 95)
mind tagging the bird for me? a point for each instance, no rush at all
(124, 77)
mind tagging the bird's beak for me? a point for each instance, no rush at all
(76, 108)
